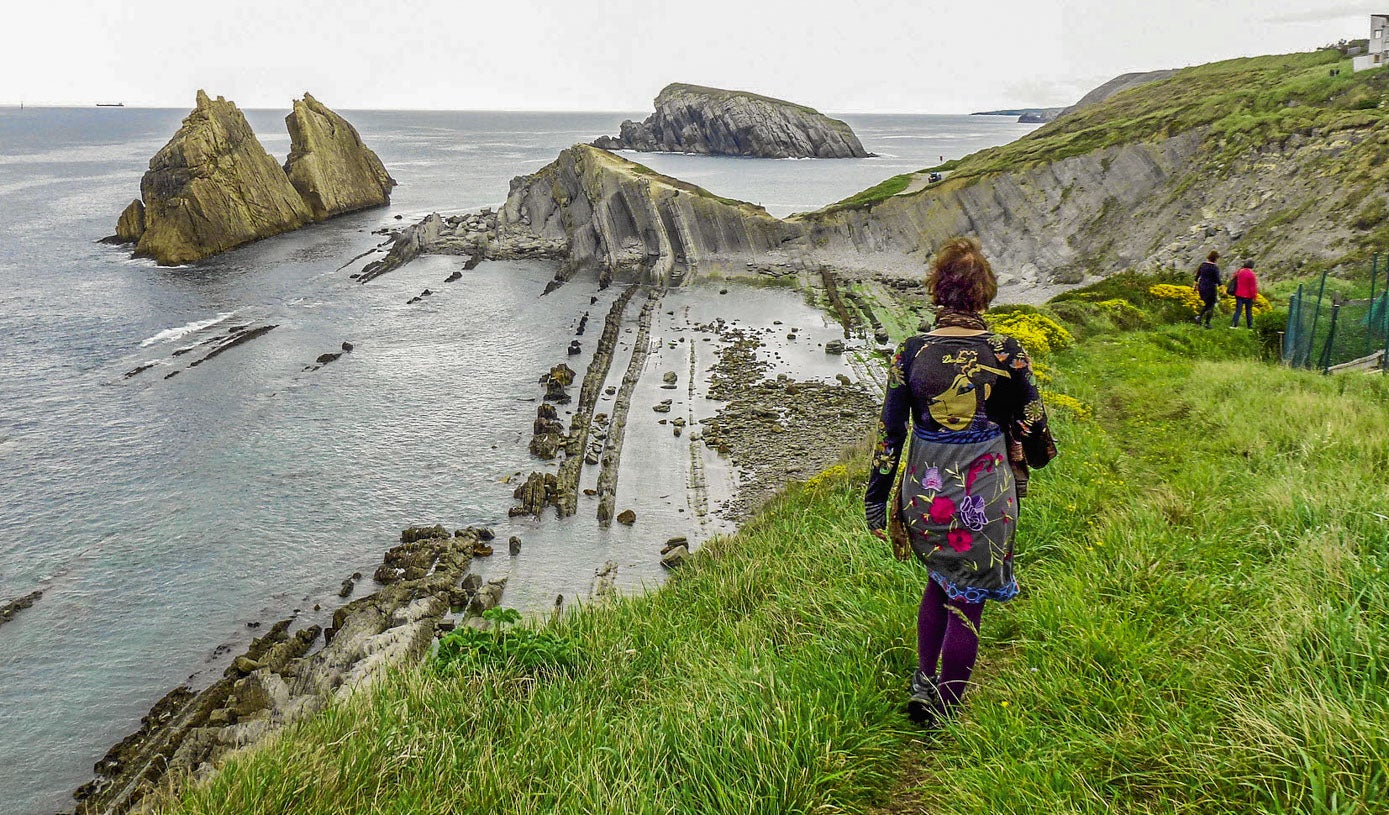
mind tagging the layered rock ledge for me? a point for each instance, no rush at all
(213, 187)
(713, 121)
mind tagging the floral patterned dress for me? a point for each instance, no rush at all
(958, 497)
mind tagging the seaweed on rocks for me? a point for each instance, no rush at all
(782, 429)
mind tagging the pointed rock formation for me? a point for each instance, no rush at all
(213, 187)
(328, 164)
(695, 119)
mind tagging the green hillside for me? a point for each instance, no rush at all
(1202, 630)
(1245, 102)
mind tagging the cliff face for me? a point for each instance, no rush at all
(329, 165)
(1046, 224)
(621, 218)
(213, 187)
(694, 119)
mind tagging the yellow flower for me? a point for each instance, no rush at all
(1037, 334)
(1068, 403)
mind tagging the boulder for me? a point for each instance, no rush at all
(675, 557)
(626, 517)
(329, 165)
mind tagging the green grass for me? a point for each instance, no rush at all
(1204, 628)
(1244, 103)
(878, 192)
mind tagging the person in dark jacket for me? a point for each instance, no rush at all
(969, 394)
(1207, 284)
(1246, 289)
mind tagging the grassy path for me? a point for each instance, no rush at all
(1203, 629)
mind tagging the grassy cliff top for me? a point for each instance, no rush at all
(1201, 629)
(600, 158)
(1244, 102)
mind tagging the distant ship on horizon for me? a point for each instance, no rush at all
(110, 104)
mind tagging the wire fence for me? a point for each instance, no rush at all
(1327, 332)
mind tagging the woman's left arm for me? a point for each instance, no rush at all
(892, 433)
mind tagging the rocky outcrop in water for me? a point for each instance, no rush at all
(213, 187)
(9, 608)
(695, 119)
(329, 165)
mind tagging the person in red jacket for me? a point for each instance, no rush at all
(1246, 289)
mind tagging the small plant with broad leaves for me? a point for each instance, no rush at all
(505, 647)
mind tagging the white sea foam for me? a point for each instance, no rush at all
(170, 334)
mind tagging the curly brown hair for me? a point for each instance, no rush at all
(961, 277)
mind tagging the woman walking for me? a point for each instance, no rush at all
(1207, 284)
(976, 409)
(1246, 289)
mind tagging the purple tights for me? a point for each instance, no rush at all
(943, 636)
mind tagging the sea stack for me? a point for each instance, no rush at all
(712, 121)
(213, 187)
(328, 164)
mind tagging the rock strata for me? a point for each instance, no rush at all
(601, 212)
(713, 121)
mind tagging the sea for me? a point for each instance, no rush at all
(168, 520)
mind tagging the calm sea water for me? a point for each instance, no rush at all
(160, 517)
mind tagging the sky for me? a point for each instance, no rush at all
(890, 56)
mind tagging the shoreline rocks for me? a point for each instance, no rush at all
(285, 676)
(714, 121)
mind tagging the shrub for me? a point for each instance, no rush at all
(528, 651)
(1123, 314)
(1038, 334)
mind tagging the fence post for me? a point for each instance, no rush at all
(1370, 317)
(1316, 318)
(1325, 361)
(1290, 330)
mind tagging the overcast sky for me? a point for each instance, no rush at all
(937, 56)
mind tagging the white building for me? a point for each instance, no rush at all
(1377, 54)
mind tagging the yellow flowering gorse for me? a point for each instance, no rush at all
(1188, 297)
(1067, 403)
(1037, 334)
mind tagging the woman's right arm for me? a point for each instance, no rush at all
(892, 433)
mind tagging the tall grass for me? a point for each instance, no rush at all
(1202, 630)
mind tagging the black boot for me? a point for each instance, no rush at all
(924, 706)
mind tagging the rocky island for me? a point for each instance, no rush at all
(712, 121)
(213, 187)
